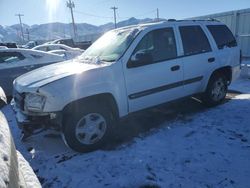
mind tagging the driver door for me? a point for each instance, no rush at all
(154, 74)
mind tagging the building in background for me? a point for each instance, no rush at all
(239, 23)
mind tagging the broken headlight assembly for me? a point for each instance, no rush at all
(34, 102)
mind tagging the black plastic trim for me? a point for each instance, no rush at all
(164, 87)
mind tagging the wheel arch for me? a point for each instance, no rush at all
(102, 99)
(226, 71)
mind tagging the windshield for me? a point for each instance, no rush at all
(111, 45)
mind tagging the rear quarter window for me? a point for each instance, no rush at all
(222, 36)
(194, 40)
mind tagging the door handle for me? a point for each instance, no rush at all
(211, 59)
(175, 68)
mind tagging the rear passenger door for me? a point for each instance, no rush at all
(198, 58)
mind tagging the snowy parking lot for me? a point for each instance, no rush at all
(177, 145)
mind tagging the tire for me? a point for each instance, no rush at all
(216, 90)
(88, 128)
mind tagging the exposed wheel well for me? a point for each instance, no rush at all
(226, 71)
(99, 99)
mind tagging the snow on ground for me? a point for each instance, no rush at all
(242, 85)
(5, 147)
(181, 145)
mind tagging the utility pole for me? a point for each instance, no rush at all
(157, 15)
(21, 25)
(114, 9)
(71, 5)
(28, 34)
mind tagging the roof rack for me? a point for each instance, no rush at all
(194, 20)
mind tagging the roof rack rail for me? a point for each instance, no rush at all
(213, 19)
(208, 19)
(194, 20)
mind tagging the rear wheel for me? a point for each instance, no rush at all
(216, 90)
(88, 129)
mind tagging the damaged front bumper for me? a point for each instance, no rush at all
(37, 120)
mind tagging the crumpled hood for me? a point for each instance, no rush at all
(50, 73)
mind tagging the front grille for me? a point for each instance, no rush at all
(19, 99)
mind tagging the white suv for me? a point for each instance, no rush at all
(126, 70)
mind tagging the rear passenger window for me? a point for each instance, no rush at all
(194, 40)
(222, 36)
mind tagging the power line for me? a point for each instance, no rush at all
(92, 15)
(146, 13)
(71, 5)
(140, 15)
(101, 2)
(114, 9)
(21, 25)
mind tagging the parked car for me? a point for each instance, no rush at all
(29, 45)
(60, 49)
(127, 70)
(70, 42)
(15, 62)
(8, 44)
(15, 170)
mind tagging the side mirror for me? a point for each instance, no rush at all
(140, 59)
(3, 99)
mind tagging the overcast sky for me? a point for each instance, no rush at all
(98, 12)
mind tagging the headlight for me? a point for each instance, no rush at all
(34, 102)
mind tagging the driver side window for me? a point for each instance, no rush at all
(146, 44)
(156, 46)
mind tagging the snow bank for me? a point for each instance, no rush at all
(5, 145)
(14, 170)
(27, 173)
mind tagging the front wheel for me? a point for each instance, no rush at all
(216, 90)
(89, 128)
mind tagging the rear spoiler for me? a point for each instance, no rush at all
(3, 99)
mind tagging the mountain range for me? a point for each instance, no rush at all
(50, 31)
